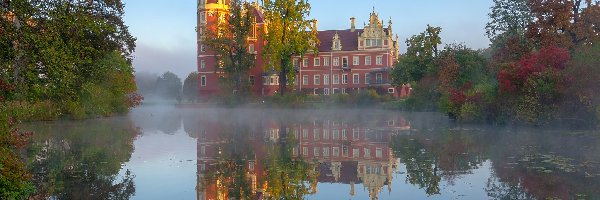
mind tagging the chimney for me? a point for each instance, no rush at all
(352, 24)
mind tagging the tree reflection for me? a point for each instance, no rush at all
(429, 157)
(81, 160)
(288, 177)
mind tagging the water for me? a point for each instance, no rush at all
(168, 153)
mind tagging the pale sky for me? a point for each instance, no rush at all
(166, 40)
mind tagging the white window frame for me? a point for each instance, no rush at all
(336, 61)
(367, 79)
(326, 91)
(326, 151)
(305, 62)
(344, 79)
(335, 152)
(355, 60)
(336, 79)
(345, 62)
(251, 48)
(326, 61)
(356, 79)
(317, 79)
(391, 90)
(317, 61)
(296, 62)
(379, 78)
(379, 60)
(325, 79)
(304, 79)
(367, 152)
(355, 153)
(305, 133)
(305, 151)
(355, 133)
(316, 151)
(378, 152)
(202, 48)
(202, 64)
(368, 60)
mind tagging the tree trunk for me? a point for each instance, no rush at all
(282, 78)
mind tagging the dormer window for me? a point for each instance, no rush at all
(337, 43)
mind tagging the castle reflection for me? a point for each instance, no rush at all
(287, 157)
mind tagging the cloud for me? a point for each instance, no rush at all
(153, 59)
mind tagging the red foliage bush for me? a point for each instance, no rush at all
(549, 58)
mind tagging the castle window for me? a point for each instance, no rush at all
(203, 81)
(344, 78)
(368, 42)
(305, 80)
(379, 60)
(355, 79)
(317, 61)
(296, 62)
(367, 60)
(251, 48)
(317, 79)
(326, 61)
(336, 79)
(325, 79)
(345, 62)
(305, 62)
(202, 64)
(355, 60)
(336, 61)
(202, 48)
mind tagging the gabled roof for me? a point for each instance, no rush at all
(348, 39)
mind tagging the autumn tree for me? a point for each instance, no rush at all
(564, 23)
(229, 39)
(289, 34)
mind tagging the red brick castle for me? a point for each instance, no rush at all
(348, 61)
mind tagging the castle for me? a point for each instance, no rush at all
(348, 60)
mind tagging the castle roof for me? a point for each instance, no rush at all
(349, 39)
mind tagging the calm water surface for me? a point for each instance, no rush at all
(168, 153)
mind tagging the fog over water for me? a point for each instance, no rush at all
(161, 152)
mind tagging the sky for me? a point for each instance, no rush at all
(166, 38)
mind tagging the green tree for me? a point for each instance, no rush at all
(190, 87)
(168, 86)
(229, 38)
(53, 45)
(508, 18)
(289, 33)
(419, 60)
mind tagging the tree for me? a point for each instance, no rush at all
(168, 86)
(289, 33)
(564, 23)
(420, 56)
(508, 18)
(51, 46)
(190, 87)
(229, 38)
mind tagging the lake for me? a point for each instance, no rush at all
(167, 153)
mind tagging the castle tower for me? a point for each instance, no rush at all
(210, 13)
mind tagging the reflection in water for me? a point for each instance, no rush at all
(307, 154)
(286, 154)
(284, 157)
(81, 160)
